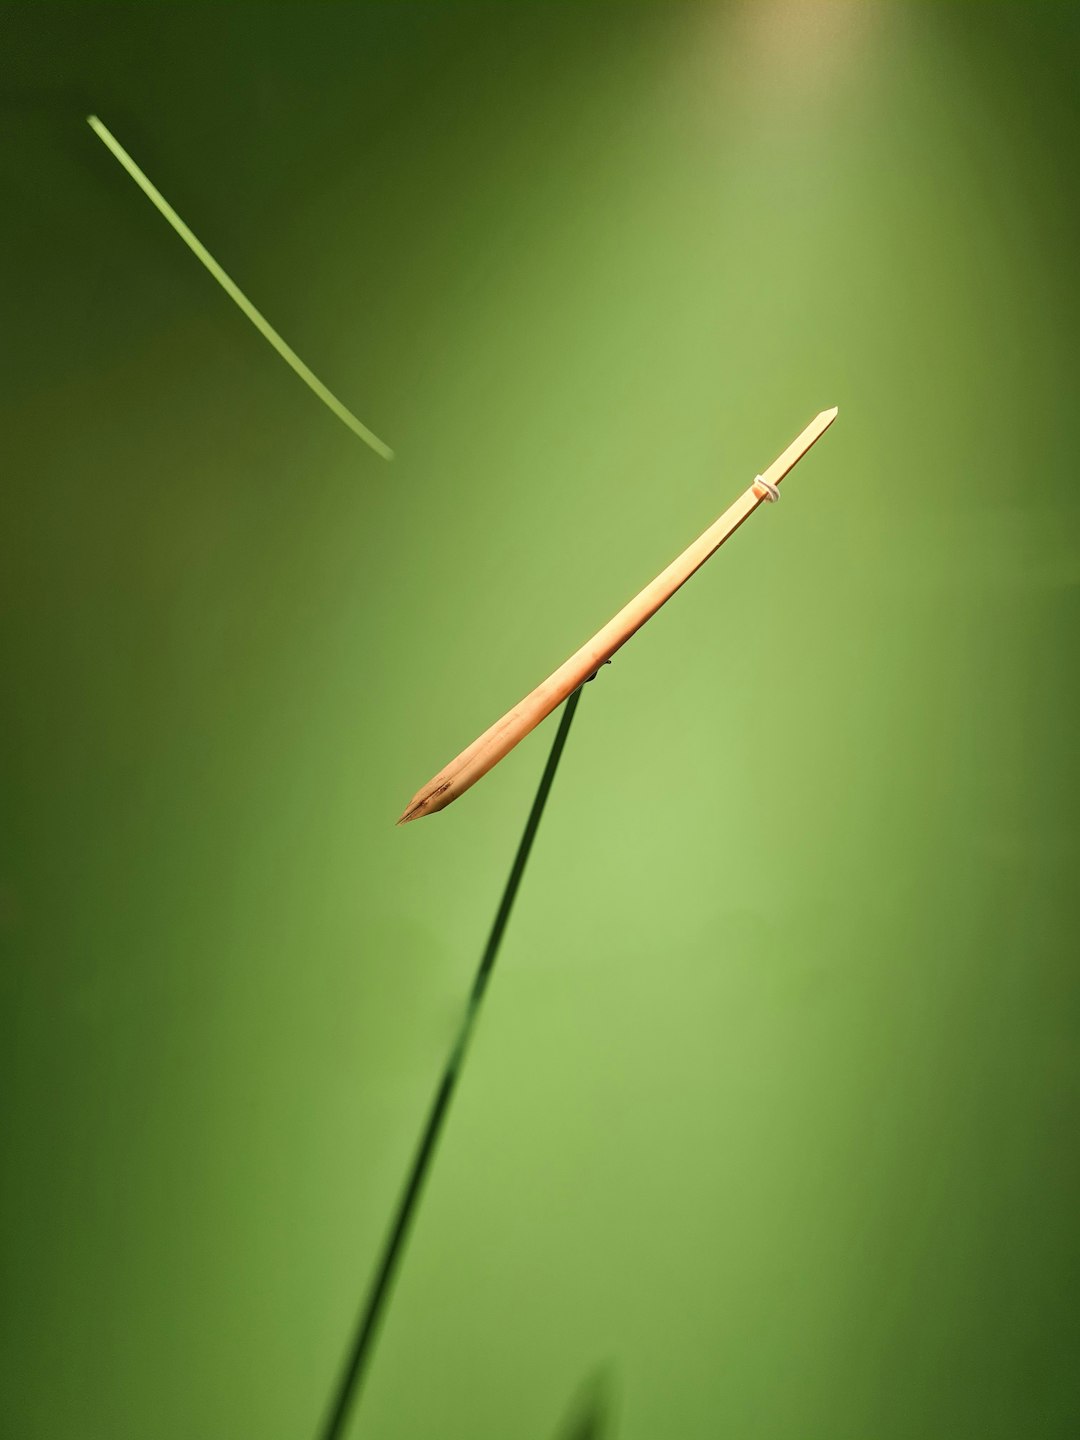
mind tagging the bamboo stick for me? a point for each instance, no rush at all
(454, 779)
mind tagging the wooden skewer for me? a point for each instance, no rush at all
(501, 738)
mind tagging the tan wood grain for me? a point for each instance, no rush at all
(475, 761)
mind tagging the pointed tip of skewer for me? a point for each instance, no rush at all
(829, 415)
(416, 808)
(435, 796)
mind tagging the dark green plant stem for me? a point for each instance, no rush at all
(363, 1343)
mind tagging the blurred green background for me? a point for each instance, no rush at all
(771, 1117)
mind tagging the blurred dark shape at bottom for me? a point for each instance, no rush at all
(591, 1415)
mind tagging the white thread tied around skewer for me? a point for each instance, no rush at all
(772, 492)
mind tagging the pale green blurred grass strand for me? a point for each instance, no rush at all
(229, 285)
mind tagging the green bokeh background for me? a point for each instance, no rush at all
(771, 1117)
